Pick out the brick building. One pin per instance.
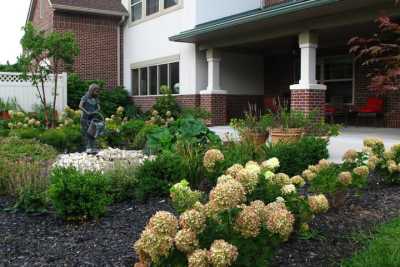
(222, 55)
(97, 26)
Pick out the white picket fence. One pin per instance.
(12, 86)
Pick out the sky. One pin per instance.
(13, 15)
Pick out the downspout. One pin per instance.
(119, 58)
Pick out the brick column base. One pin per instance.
(217, 106)
(308, 100)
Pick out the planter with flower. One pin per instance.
(241, 223)
(253, 128)
(288, 126)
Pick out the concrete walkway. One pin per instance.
(350, 138)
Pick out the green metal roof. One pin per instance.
(250, 16)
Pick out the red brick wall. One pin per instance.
(46, 22)
(308, 100)
(362, 93)
(97, 37)
(217, 106)
(145, 103)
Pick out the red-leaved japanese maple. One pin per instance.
(381, 53)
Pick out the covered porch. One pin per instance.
(297, 53)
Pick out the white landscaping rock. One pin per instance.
(105, 160)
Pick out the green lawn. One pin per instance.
(382, 249)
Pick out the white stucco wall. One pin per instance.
(149, 41)
(208, 10)
(242, 74)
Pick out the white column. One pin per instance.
(214, 74)
(308, 43)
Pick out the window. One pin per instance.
(337, 74)
(170, 3)
(153, 80)
(174, 77)
(152, 6)
(143, 81)
(148, 80)
(136, 9)
(41, 8)
(140, 9)
(135, 82)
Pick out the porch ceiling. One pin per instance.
(330, 40)
(260, 25)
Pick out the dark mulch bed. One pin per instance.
(333, 241)
(44, 240)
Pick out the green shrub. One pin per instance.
(197, 113)
(68, 138)
(130, 130)
(156, 177)
(26, 133)
(32, 200)
(79, 196)
(24, 163)
(123, 183)
(110, 100)
(140, 139)
(167, 102)
(296, 157)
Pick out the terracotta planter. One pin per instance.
(337, 199)
(4, 115)
(258, 139)
(286, 135)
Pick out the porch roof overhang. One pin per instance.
(283, 20)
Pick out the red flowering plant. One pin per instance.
(381, 52)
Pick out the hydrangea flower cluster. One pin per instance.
(298, 181)
(318, 203)
(227, 195)
(222, 254)
(350, 156)
(21, 120)
(271, 164)
(362, 171)
(193, 220)
(248, 222)
(105, 160)
(183, 197)
(157, 239)
(211, 157)
(279, 220)
(345, 178)
(199, 258)
(186, 241)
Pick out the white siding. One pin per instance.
(208, 10)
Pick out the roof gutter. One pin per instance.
(262, 14)
(90, 10)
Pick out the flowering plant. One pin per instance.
(249, 213)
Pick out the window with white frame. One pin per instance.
(41, 8)
(337, 73)
(136, 9)
(152, 6)
(148, 80)
(170, 3)
(140, 9)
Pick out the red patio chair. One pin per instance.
(330, 112)
(270, 104)
(374, 108)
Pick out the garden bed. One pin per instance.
(38, 240)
